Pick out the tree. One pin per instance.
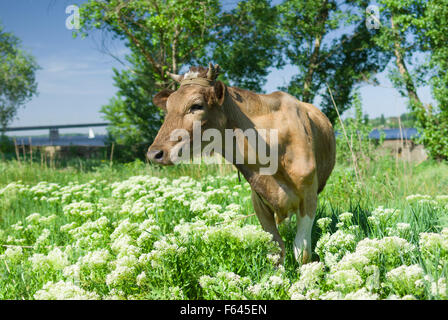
(330, 44)
(382, 120)
(434, 26)
(167, 36)
(134, 117)
(247, 42)
(166, 33)
(414, 27)
(163, 36)
(17, 77)
(397, 34)
(434, 35)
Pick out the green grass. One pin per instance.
(201, 267)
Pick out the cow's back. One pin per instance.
(302, 121)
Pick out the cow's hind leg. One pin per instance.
(305, 220)
(267, 220)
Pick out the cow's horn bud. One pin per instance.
(212, 72)
(176, 77)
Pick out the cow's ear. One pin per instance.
(219, 90)
(160, 99)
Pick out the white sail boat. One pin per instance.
(91, 134)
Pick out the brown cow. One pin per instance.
(306, 145)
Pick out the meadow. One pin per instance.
(94, 230)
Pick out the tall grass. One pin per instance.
(382, 183)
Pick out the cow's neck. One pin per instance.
(238, 107)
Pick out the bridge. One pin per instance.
(54, 129)
(57, 127)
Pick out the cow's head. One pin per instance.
(199, 99)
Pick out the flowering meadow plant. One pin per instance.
(148, 237)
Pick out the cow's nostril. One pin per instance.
(155, 155)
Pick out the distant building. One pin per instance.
(401, 143)
(395, 134)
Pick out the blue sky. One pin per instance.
(75, 78)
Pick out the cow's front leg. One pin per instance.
(305, 220)
(267, 220)
(302, 242)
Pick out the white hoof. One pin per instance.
(302, 242)
(302, 250)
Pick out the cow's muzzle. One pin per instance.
(158, 155)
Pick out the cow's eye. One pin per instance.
(195, 107)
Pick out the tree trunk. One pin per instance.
(314, 59)
(415, 102)
(174, 50)
(307, 95)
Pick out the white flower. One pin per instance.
(124, 228)
(356, 260)
(67, 227)
(274, 258)
(406, 297)
(346, 217)
(233, 207)
(434, 244)
(79, 209)
(255, 289)
(72, 272)
(403, 227)
(33, 218)
(276, 281)
(247, 235)
(128, 261)
(176, 293)
(332, 247)
(95, 259)
(205, 281)
(409, 297)
(229, 276)
(141, 278)
(297, 296)
(119, 275)
(13, 254)
(439, 288)
(442, 197)
(418, 197)
(43, 237)
(383, 217)
(198, 205)
(57, 259)
(406, 279)
(393, 248)
(346, 280)
(311, 275)
(332, 295)
(361, 294)
(64, 291)
(123, 245)
(39, 262)
(323, 223)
